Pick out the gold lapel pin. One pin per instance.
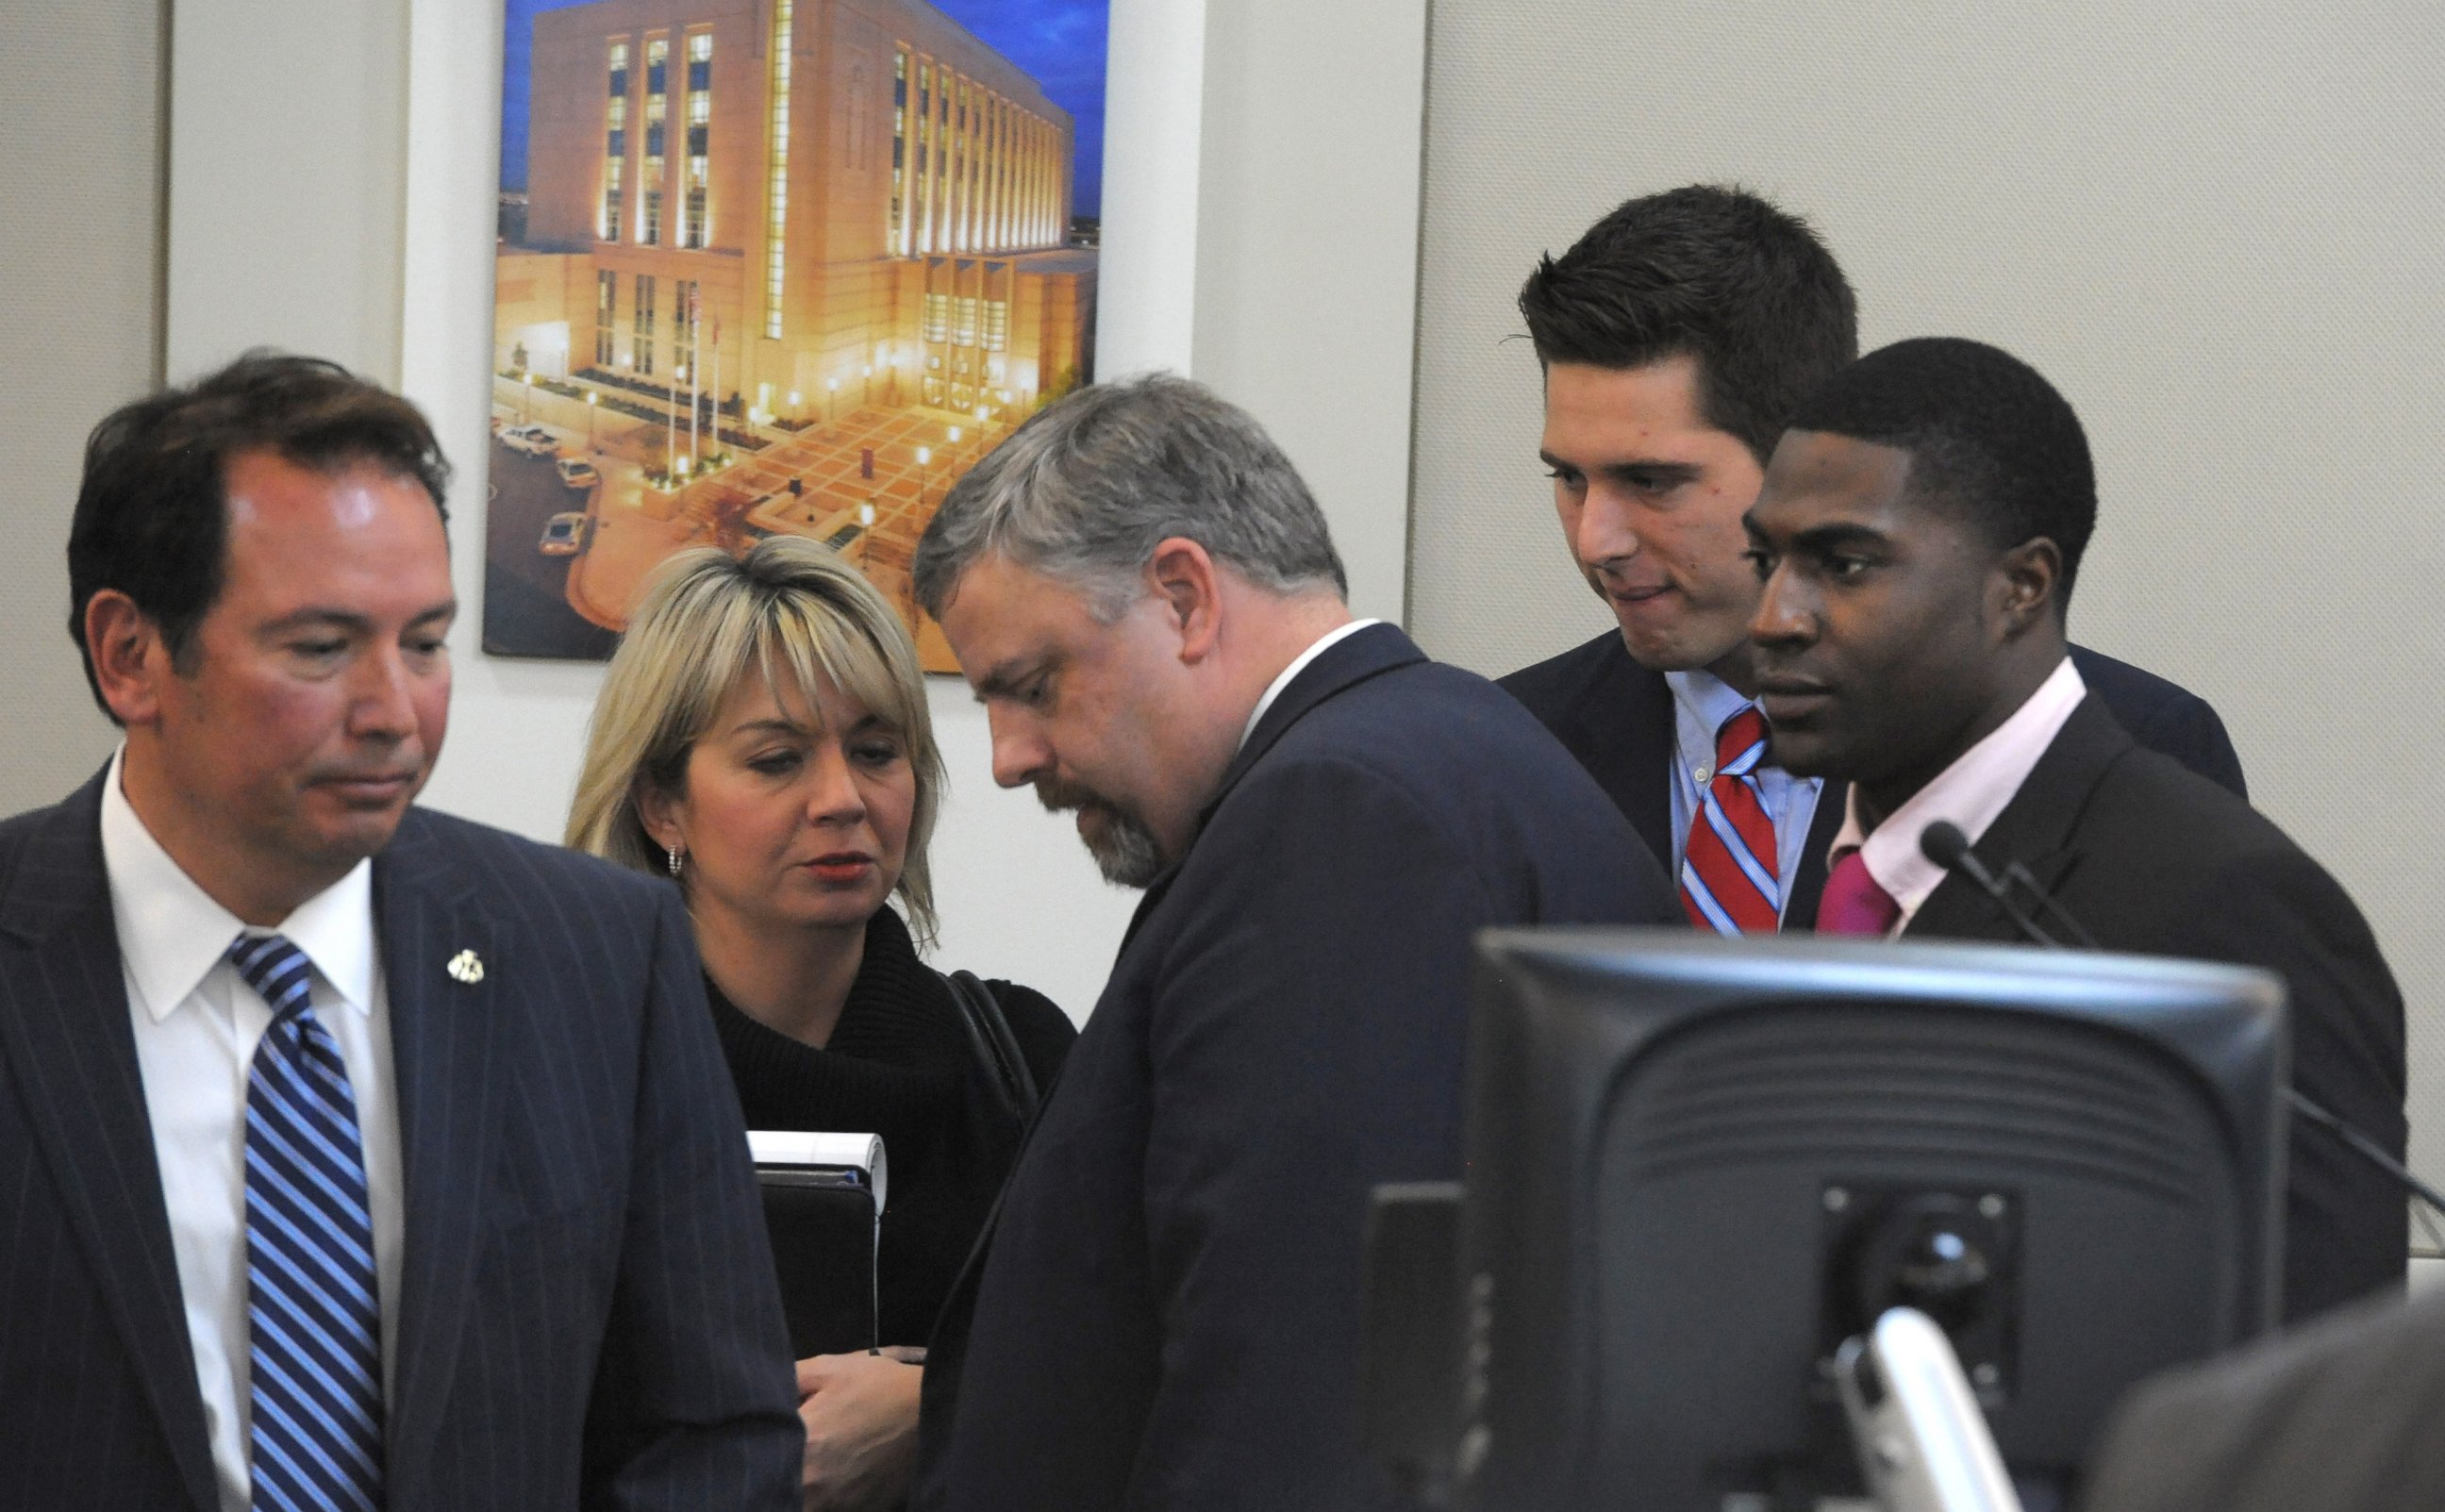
(467, 966)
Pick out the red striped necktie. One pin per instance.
(1730, 876)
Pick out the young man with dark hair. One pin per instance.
(355, 1156)
(1917, 536)
(1676, 337)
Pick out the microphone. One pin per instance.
(1944, 844)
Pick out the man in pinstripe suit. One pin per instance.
(350, 1155)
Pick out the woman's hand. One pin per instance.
(860, 1411)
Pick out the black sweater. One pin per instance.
(899, 1065)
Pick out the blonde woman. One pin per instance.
(762, 736)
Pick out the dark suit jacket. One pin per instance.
(1170, 1295)
(2155, 859)
(2345, 1416)
(1617, 717)
(586, 1311)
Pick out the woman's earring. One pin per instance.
(678, 857)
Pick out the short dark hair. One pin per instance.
(152, 515)
(1709, 271)
(1986, 435)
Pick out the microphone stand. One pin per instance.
(1944, 844)
(2016, 873)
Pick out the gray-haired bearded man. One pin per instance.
(1145, 596)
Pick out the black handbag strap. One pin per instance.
(996, 1047)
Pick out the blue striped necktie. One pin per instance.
(313, 1324)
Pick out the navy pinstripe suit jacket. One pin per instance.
(587, 1314)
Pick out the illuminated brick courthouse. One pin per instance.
(860, 202)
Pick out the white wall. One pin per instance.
(286, 119)
(2220, 232)
(1234, 251)
(80, 238)
(1306, 268)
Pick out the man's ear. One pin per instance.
(130, 657)
(1183, 577)
(2029, 584)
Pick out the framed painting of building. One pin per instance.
(773, 266)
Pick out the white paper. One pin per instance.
(790, 1147)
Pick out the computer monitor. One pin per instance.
(1696, 1166)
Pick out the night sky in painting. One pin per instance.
(1060, 45)
(1058, 42)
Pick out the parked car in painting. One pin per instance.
(532, 440)
(564, 534)
(577, 472)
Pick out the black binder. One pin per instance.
(822, 1216)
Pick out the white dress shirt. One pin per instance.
(1298, 665)
(197, 1025)
(1702, 702)
(1970, 793)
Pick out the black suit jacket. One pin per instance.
(1617, 717)
(1169, 1292)
(2155, 859)
(587, 1314)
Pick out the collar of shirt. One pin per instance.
(1970, 793)
(1298, 665)
(1701, 703)
(172, 934)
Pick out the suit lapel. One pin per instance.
(1644, 735)
(67, 1040)
(1148, 902)
(1808, 877)
(1622, 728)
(1367, 653)
(2039, 828)
(444, 1032)
(1355, 658)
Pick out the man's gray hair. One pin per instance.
(1085, 490)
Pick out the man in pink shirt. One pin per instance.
(1917, 535)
